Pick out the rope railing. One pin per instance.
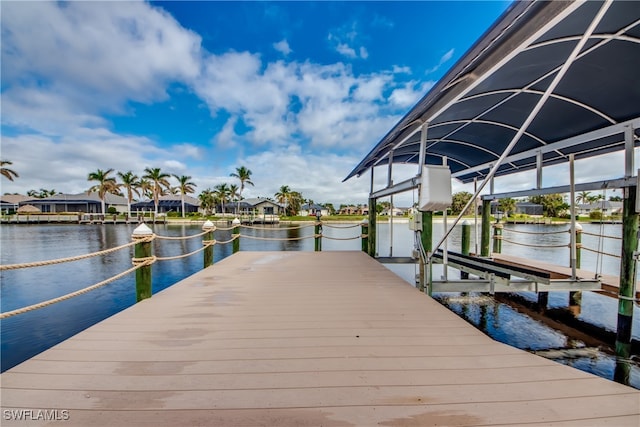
(601, 252)
(253, 227)
(602, 236)
(76, 293)
(282, 238)
(324, 224)
(146, 261)
(159, 237)
(63, 260)
(535, 246)
(511, 230)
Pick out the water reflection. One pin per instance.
(516, 321)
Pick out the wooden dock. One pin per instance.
(302, 339)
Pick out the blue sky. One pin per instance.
(298, 92)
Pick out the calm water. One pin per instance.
(28, 334)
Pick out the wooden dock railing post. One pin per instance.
(372, 227)
(486, 228)
(497, 237)
(465, 244)
(143, 251)
(575, 297)
(236, 232)
(208, 240)
(627, 292)
(365, 235)
(318, 234)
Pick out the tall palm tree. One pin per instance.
(234, 195)
(6, 172)
(282, 196)
(244, 175)
(130, 182)
(185, 186)
(222, 193)
(105, 184)
(160, 182)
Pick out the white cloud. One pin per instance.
(283, 47)
(401, 70)
(410, 93)
(364, 53)
(345, 50)
(443, 59)
(89, 57)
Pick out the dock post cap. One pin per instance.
(207, 224)
(364, 221)
(465, 222)
(578, 226)
(142, 230)
(235, 221)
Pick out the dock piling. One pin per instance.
(627, 275)
(143, 251)
(486, 228)
(497, 237)
(465, 244)
(208, 240)
(365, 235)
(236, 234)
(318, 235)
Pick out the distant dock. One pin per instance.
(303, 338)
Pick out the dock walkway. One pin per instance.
(302, 339)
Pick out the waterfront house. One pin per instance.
(9, 203)
(607, 208)
(313, 210)
(80, 203)
(168, 203)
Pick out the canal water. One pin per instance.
(514, 321)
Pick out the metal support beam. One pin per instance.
(587, 186)
(400, 187)
(629, 144)
(539, 169)
(572, 203)
(423, 147)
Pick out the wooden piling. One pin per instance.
(365, 236)
(372, 227)
(465, 244)
(627, 274)
(208, 240)
(486, 228)
(236, 232)
(143, 251)
(318, 236)
(497, 238)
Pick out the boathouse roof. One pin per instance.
(477, 108)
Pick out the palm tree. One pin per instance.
(145, 187)
(207, 200)
(295, 202)
(507, 205)
(222, 194)
(160, 182)
(185, 186)
(234, 195)
(282, 196)
(583, 197)
(9, 173)
(130, 182)
(244, 175)
(106, 184)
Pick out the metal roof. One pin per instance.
(576, 62)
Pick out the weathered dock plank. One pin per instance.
(302, 338)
